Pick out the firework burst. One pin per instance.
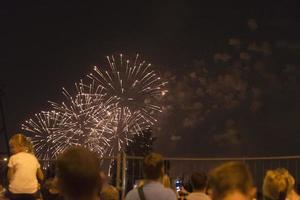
(136, 85)
(137, 88)
(84, 119)
(126, 124)
(47, 139)
(119, 101)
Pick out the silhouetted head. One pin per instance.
(229, 178)
(153, 166)
(199, 180)
(78, 173)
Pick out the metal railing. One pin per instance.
(126, 170)
(182, 168)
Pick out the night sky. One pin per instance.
(48, 45)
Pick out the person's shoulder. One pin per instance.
(170, 193)
(132, 194)
(201, 196)
(28, 156)
(12, 160)
(191, 196)
(16, 156)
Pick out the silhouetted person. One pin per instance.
(279, 184)
(152, 189)
(199, 183)
(23, 170)
(78, 174)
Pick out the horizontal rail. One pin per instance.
(202, 159)
(221, 158)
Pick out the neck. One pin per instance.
(83, 198)
(19, 150)
(236, 195)
(152, 180)
(198, 190)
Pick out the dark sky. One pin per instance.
(51, 44)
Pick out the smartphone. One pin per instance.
(178, 185)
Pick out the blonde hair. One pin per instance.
(277, 184)
(21, 142)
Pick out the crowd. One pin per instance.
(78, 176)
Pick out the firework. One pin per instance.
(47, 140)
(137, 89)
(82, 120)
(136, 85)
(126, 124)
(118, 102)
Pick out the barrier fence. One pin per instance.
(125, 171)
(182, 168)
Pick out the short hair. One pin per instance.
(277, 184)
(199, 180)
(152, 166)
(228, 177)
(78, 173)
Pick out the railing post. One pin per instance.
(3, 129)
(118, 178)
(124, 171)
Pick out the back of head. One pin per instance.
(199, 180)
(277, 184)
(78, 173)
(230, 177)
(18, 142)
(153, 166)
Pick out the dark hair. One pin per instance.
(199, 180)
(153, 164)
(229, 177)
(78, 173)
